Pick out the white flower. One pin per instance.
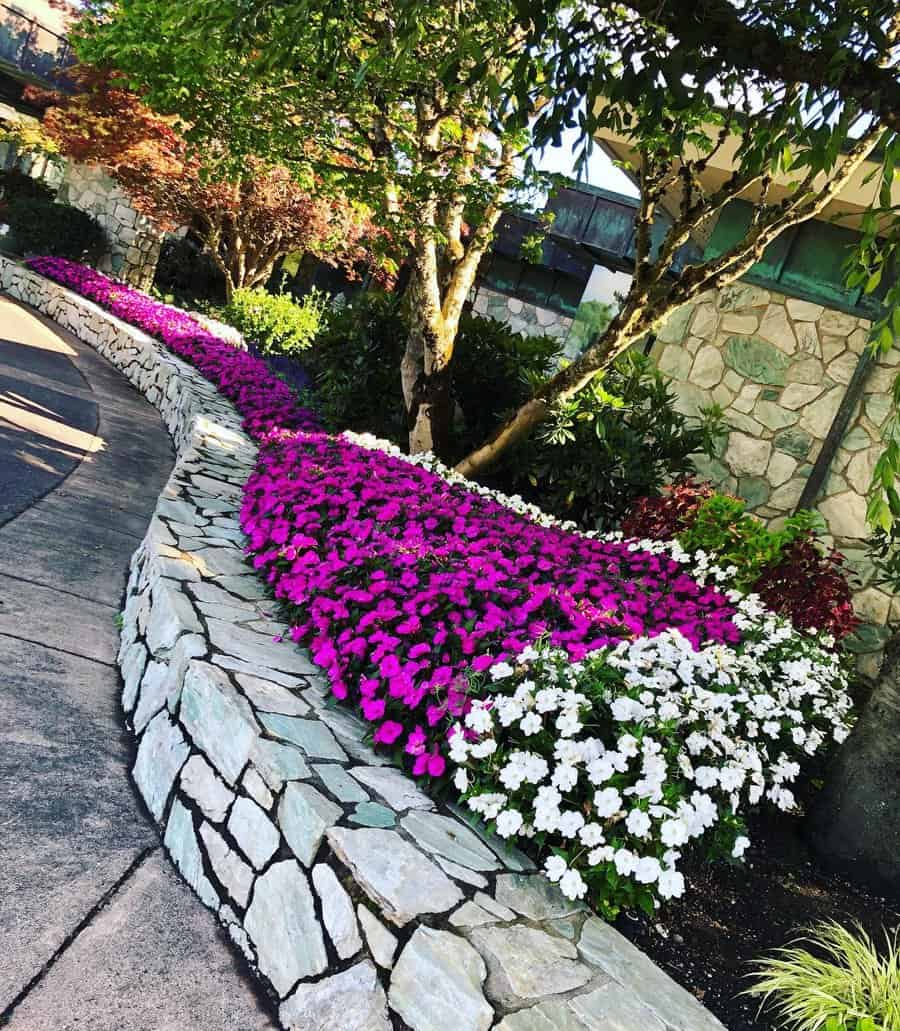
(591, 834)
(570, 823)
(565, 777)
(627, 746)
(638, 823)
(500, 671)
(607, 802)
(741, 844)
(461, 780)
(625, 861)
(627, 710)
(647, 870)
(547, 700)
(483, 749)
(568, 723)
(531, 724)
(555, 867)
(706, 776)
(509, 823)
(600, 770)
(674, 832)
(572, 885)
(671, 884)
(603, 854)
(479, 719)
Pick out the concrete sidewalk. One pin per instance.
(96, 931)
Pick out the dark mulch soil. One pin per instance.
(731, 915)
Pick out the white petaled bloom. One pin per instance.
(509, 823)
(627, 746)
(508, 710)
(741, 844)
(570, 823)
(555, 867)
(572, 885)
(607, 802)
(479, 719)
(565, 777)
(591, 835)
(547, 700)
(671, 884)
(500, 671)
(647, 870)
(568, 723)
(626, 862)
(706, 776)
(638, 823)
(599, 770)
(602, 854)
(531, 724)
(484, 748)
(461, 780)
(489, 805)
(674, 832)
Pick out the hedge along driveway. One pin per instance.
(350, 891)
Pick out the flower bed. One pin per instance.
(590, 694)
(264, 400)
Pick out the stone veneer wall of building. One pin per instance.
(361, 903)
(135, 241)
(521, 316)
(779, 367)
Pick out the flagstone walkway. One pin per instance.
(96, 930)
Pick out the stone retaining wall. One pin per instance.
(135, 241)
(779, 367)
(361, 903)
(521, 316)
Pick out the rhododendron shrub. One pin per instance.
(617, 764)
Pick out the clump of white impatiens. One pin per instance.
(620, 762)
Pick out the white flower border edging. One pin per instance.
(362, 904)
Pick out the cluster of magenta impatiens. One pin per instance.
(265, 401)
(404, 584)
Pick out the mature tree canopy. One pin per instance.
(432, 111)
(372, 103)
(247, 213)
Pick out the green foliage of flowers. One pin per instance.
(39, 226)
(354, 366)
(724, 529)
(356, 355)
(277, 323)
(840, 982)
(618, 439)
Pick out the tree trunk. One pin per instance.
(855, 822)
(425, 368)
(425, 375)
(624, 330)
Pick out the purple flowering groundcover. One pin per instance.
(399, 581)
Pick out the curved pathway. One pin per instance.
(96, 931)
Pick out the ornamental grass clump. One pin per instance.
(833, 979)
